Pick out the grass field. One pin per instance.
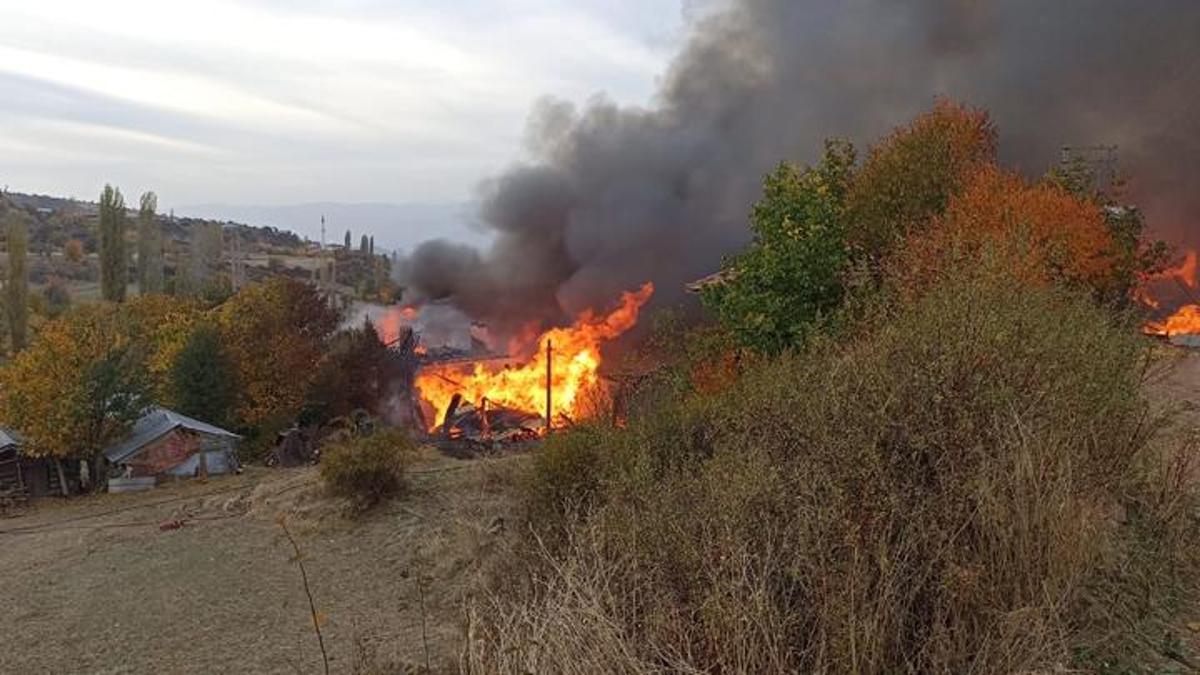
(95, 585)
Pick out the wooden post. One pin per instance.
(549, 383)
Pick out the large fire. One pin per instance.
(574, 367)
(1185, 320)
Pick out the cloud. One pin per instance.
(273, 102)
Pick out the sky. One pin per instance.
(296, 101)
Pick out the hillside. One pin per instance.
(63, 250)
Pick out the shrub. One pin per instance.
(367, 469)
(968, 482)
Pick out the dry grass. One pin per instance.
(969, 484)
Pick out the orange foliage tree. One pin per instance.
(911, 176)
(90, 372)
(1039, 232)
(275, 333)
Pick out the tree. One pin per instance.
(1040, 233)
(73, 250)
(364, 245)
(204, 257)
(79, 386)
(355, 374)
(275, 333)
(371, 247)
(347, 241)
(56, 296)
(909, 178)
(791, 275)
(16, 291)
(149, 254)
(203, 381)
(114, 265)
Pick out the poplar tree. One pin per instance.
(16, 292)
(347, 241)
(363, 245)
(113, 261)
(150, 253)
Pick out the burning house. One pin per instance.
(1176, 287)
(537, 381)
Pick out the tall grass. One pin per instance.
(965, 482)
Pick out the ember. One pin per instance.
(520, 389)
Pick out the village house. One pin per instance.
(164, 444)
(22, 477)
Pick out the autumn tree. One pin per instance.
(791, 276)
(202, 379)
(16, 290)
(275, 333)
(79, 386)
(1133, 256)
(1041, 233)
(73, 250)
(149, 254)
(113, 260)
(910, 176)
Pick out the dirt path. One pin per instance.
(95, 586)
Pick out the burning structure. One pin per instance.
(538, 379)
(1165, 289)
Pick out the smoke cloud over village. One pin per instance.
(611, 196)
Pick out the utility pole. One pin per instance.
(549, 381)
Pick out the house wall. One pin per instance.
(160, 456)
(178, 454)
(10, 470)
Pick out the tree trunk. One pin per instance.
(99, 472)
(62, 477)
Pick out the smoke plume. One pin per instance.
(614, 196)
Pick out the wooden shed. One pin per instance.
(23, 477)
(164, 443)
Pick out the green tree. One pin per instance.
(364, 245)
(149, 254)
(354, 374)
(16, 292)
(347, 241)
(792, 274)
(371, 246)
(203, 380)
(113, 261)
(116, 391)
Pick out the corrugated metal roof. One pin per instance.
(155, 424)
(9, 437)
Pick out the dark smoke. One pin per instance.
(616, 196)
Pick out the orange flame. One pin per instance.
(1184, 322)
(1185, 272)
(575, 364)
(397, 318)
(1187, 319)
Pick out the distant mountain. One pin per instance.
(394, 226)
